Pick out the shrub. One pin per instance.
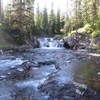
(88, 28)
(98, 24)
(96, 33)
(17, 36)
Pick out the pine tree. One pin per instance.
(38, 20)
(21, 23)
(45, 21)
(58, 22)
(52, 21)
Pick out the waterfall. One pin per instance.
(50, 43)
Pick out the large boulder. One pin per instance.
(76, 41)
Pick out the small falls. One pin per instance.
(50, 43)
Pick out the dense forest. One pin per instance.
(22, 23)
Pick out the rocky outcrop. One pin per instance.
(76, 41)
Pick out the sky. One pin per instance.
(58, 4)
(5, 2)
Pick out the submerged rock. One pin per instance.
(92, 95)
(46, 63)
(60, 92)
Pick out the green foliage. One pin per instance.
(6, 47)
(45, 21)
(96, 33)
(68, 34)
(97, 24)
(18, 36)
(88, 28)
(19, 21)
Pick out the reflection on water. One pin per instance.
(86, 72)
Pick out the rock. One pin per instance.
(36, 43)
(70, 43)
(21, 71)
(95, 42)
(46, 63)
(89, 93)
(59, 92)
(76, 41)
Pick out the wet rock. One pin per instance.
(46, 63)
(95, 41)
(76, 41)
(18, 75)
(36, 43)
(60, 92)
(20, 72)
(89, 93)
(70, 43)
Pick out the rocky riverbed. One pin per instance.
(49, 74)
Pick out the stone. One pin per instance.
(95, 42)
(76, 41)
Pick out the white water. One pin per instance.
(9, 63)
(50, 43)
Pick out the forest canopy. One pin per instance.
(24, 19)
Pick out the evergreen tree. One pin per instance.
(21, 21)
(38, 20)
(45, 21)
(52, 21)
(58, 22)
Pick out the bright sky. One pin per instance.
(58, 4)
(5, 2)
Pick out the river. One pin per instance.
(49, 73)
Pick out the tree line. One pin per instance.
(23, 24)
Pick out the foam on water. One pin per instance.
(6, 63)
(50, 43)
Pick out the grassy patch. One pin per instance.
(6, 47)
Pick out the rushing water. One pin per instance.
(50, 43)
(64, 66)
